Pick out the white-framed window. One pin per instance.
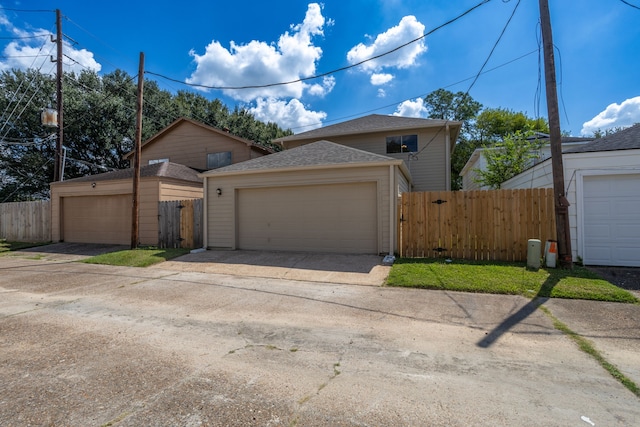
(218, 160)
(402, 144)
(154, 161)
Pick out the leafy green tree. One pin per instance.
(446, 105)
(99, 125)
(505, 159)
(493, 124)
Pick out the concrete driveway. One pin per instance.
(311, 267)
(97, 345)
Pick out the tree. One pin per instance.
(99, 125)
(446, 105)
(493, 124)
(505, 159)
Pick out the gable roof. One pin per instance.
(182, 120)
(370, 124)
(164, 170)
(626, 139)
(316, 154)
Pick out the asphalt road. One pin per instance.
(89, 345)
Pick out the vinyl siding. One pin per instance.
(189, 145)
(221, 212)
(428, 172)
(576, 165)
(150, 194)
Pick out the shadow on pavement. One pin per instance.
(543, 296)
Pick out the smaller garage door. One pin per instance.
(338, 218)
(97, 219)
(612, 220)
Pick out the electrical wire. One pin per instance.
(478, 74)
(630, 4)
(337, 70)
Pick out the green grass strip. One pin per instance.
(588, 348)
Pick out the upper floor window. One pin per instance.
(154, 161)
(218, 160)
(402, 144)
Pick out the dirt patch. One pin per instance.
(624, 277)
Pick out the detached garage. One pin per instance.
(98, 208)
(611, 220)
(319, 197)
(602, 179)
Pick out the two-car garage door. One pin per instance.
(337, 218)
(612, 220)
(97, 219)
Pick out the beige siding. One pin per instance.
(180, 191)
(148, 214)
(150, 195)
(428, 171)
(222, 211)
(403, 184)
(189, 144)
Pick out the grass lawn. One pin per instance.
(141, 257)
(16, 246)
(505, 278)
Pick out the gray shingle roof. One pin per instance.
(368, 124)
(626, 139)
(165, 170)
(320, 153)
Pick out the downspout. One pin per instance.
(394, 209)
(447, 139)
(205, 231)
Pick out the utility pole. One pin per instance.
(135, 235)
(560, 201)
(57, 170)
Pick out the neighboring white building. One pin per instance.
(477, 160)
(603, 188)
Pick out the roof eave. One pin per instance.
(214, 173)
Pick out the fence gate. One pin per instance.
(180, 224)
(477, 225)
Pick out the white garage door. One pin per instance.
(97, 219)
(612, 220)
(338, 218)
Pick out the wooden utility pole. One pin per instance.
(560, 201)
(135, 217)
(57, 169)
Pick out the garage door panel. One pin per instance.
(611, 220)
(97, 219)
(318, 218)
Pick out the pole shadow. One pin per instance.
(541, 297)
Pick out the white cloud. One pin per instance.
(36, 53)
(615, 115)
(257, 63)
(411, 108)
(287, 114)
(382, 93)
(378, 79)
(328, 83)
(407, 30)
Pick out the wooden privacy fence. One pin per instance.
(492, 225)
(26, 221)
(180, 224)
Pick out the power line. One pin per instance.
(630, 4)
(26, 10)
(495, 45)
(337, 70)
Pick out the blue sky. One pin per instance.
(252, 43)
